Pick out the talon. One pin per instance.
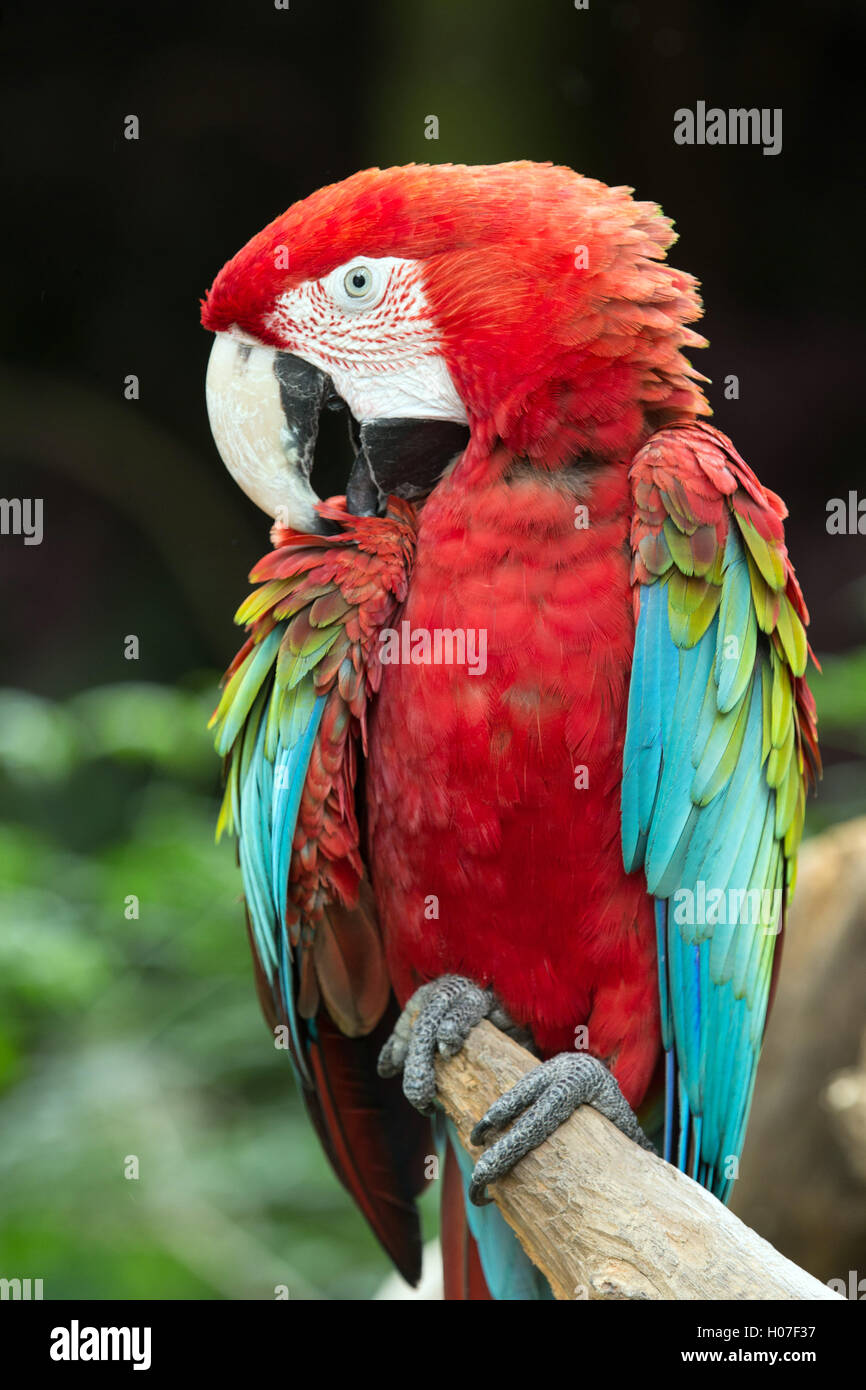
(538, 1104)
(393, 1054)
(438, 1018)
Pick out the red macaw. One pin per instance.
(521, 729)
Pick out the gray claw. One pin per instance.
(543, 1099)
(438, 1018)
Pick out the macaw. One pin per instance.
(589, 836)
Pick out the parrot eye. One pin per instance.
(358, 285)
(358, 281)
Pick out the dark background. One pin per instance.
(108, 780)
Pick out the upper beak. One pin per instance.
(264, 409)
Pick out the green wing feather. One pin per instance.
(720, 746)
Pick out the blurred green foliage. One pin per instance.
(140, 1036)
(840, 694)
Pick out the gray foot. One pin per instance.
(438, 1018)
(543, 1099)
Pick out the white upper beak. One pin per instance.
(268, 458)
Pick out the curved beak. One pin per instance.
(264, 408)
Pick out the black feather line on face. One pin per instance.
(304, 390)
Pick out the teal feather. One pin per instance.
(673, 815)
(267, 779)
(642, 753)
(291, 772)
(661, 915)
(679, 733)
(737, 626)
(238, 701)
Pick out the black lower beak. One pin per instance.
(403, 457)
(265, 407)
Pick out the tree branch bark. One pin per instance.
(604, 1219)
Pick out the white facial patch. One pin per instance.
(368, 325)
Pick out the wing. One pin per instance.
(720, 746)
(289, 722)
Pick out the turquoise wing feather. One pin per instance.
(289, 725)
(720, 745)
(268, 756)
(292, 708)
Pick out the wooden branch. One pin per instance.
(604, 1219)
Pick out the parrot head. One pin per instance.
(521, 307)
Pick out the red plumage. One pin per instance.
(471, 779)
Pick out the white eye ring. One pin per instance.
(358, 285)
(358, 282)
